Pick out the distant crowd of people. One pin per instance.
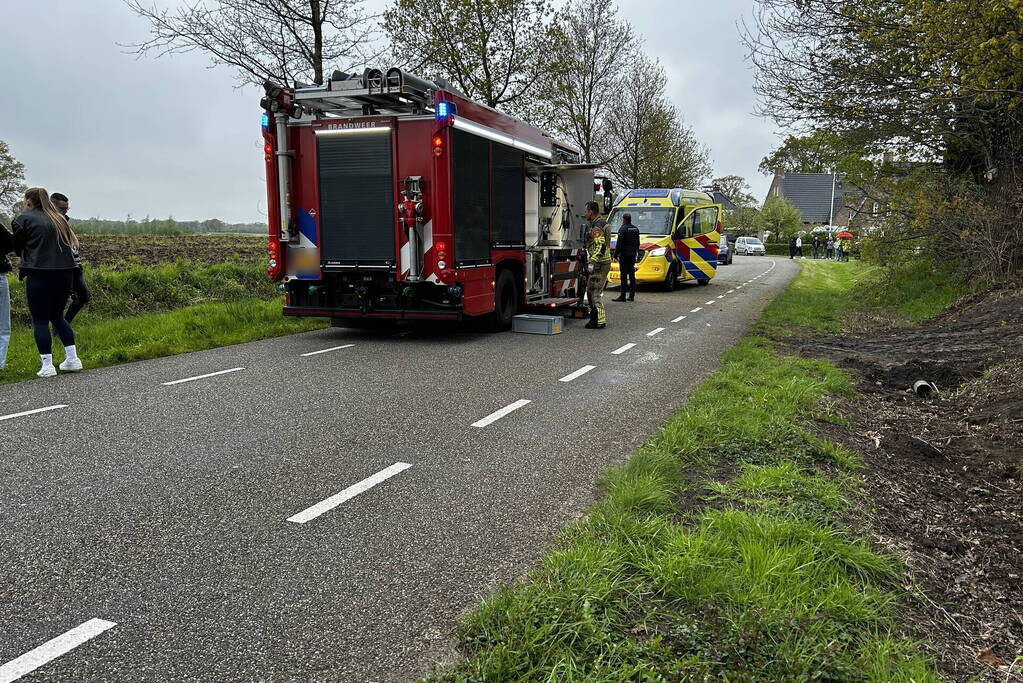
(822, 247)
(42, 238)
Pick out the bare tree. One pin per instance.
(595, 47)
(283, 40)
(647, 142)
(495, 51)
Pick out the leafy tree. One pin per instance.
(779, 218)
(282, 40)
(742, 221)
(647, 143)
(495, 51)
(924, 77)
(594, 45)
(815, 153)
(735, 188)
(12, 177)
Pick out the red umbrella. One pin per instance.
(844, 235)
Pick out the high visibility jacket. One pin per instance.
(598, 243)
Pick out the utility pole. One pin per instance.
(831, 211)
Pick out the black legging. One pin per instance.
(47, 292)
(79, 295)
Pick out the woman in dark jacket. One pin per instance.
(47, 246)
(6, 245)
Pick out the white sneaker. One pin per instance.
(71, 365)
(47, 371)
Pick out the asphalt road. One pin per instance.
(155, 531)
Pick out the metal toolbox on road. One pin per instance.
(538, 324)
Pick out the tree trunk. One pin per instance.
(314, 8)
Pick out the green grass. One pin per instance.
(134, 290)
(748, 574)
(916, 288)
(817, 299)
(192, 328)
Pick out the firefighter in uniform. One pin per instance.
(598, 254)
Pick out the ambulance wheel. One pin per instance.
(506, 301)
(703, 282)
(670, 280)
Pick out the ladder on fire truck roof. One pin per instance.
(372, 92)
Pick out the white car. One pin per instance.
(749, 246)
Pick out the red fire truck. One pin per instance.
(394, 197)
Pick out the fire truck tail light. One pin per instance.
(268, 149)
(442, 246)
(438, 145)
(442, 255)
(442, 265)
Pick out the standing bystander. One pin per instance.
(79, 291)
(47, 246)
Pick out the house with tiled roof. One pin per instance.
(826, 199)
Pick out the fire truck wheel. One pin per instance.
(505, 301)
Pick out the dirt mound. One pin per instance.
(945, 474)
(980, 331)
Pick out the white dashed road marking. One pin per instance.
(192, 379)
(51, 649)
(497, 415)
(366, 484)
(722, 296)
(708, 303)
(578, 373)
(696, 310)
(622, 349)
(655, 331)
(31, 412)
(333, 348)
(731, 290)
(678, 319)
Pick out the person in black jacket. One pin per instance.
(627, 250)
(47, 246)
(6, 246)
(80, 294)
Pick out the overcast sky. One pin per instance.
(170, 137)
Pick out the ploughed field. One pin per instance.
(131, 275)
(119, 251)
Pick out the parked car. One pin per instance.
(750, 246)
(724, 252)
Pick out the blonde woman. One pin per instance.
(47, 246)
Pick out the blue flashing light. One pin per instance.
(445, 109)
(266, 121)
(648, 193)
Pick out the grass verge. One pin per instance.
(103, 342)
(719, 549)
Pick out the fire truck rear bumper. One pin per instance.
(373, 315)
